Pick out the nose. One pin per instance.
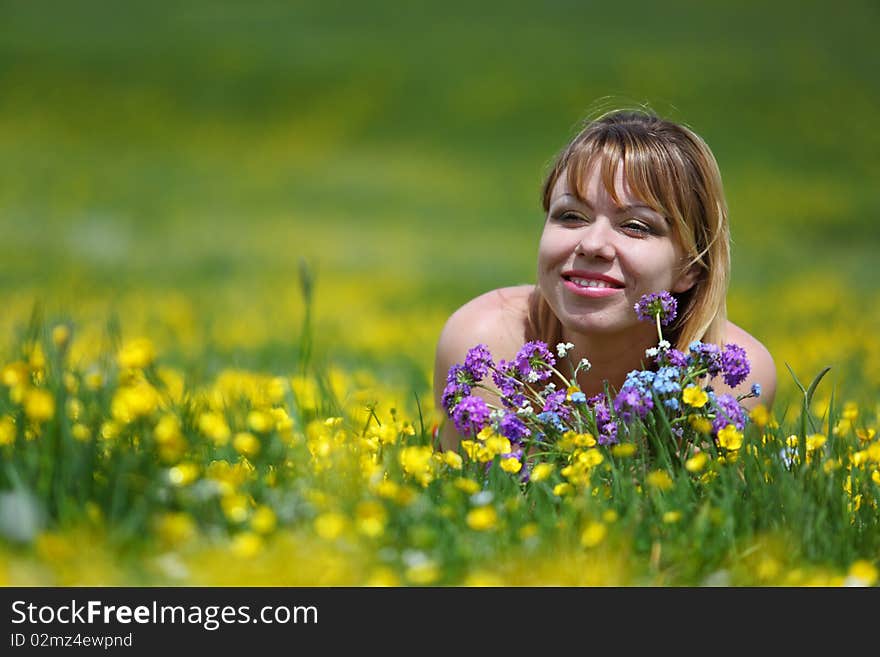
(596, 241)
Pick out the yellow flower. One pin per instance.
(671, 517)
(730, 438)
(134, 401)
(700, 424)
(246, 443)
(850, 411)
(7, 430)
(80, 432)
(590, 458)
(264, 520)
(760, 415)
(175, 527)
(694, 396)
(563, 489)
(498, 445)
(235, 506)
(330, 525)
(470, 448)
(697, 462)
(371, 518)
(511, 465)
(136, 353)
(15, 374)
(482, 518)
(60, 335)
(541, 471)
(183, 474)
(468, 486)
(39, 405)
(260, 421)
(169, 437)
(815, 441)
(584, 440)
(624, 450)
(246, 545)
(417, 462)
(213, 425)
(110, 430)
(609, 516)
(863, 572)
(659, 479)
(453, 460)
(593, 534)
(73, 408)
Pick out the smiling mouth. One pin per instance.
(592, 283)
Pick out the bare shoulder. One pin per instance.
(762, 367)
(496, 319)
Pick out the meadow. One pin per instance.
(232, 234)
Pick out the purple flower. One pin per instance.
(452, 394)
(533, 361)
(608, 434)
(459, 376)
(512, 428)
(671, 357)
(632, 402)
(658, 303)
(705, 355)
(555, 403)
(728, 411)
(503, 378)
(734, 365)
(478, 362)
(605, 425)
(471, 415)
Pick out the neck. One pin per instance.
(611, 356)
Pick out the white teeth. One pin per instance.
(583, 282)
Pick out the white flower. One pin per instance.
(525, 410)
(532, 377)
(482, 498)
(650, 353)
(563, 348)
(664, 345)
(584, 365)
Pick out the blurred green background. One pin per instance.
(171, 163)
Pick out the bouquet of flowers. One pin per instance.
(667, 406)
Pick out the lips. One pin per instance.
(591, 280)
(591, 285)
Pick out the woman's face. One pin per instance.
(596, 259)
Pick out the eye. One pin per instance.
(638, 227)
(570, 218)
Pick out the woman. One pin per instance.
(634, 205)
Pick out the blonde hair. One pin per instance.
(672, 170)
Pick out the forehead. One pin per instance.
(591, 187)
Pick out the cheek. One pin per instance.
(551, 249)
